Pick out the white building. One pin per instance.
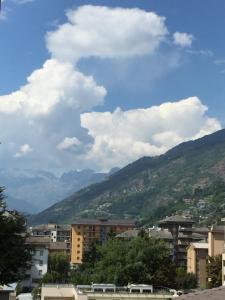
(39, 264)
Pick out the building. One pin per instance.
(57, 233)
(223, 269)
(173, 224)
(85, 231)
(42, 246)
(197, 254)
(101, 292)
(8, 292)
(39, 264)
(216, 240)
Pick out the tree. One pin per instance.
(15, 255)
(214, 271)
(139, 260)
(58, 269)
(185, 280)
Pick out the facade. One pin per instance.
(173, 225)
(42, 246)
(39, 264)
(216, 240)
(197, 254)
(100, 292)
(57, 233)
(85, 231)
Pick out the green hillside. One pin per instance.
(190, 178)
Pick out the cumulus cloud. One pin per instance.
(54, 83)
(52, 110)
(24, 150)
(123, 136)
(106, 32)
(183, 39)
(68, 142)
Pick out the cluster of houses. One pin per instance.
(190, 246)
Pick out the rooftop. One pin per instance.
(176, 219)
(128, 234)
(200, 245)
(209, 294)
(38, 240)
(110, 222)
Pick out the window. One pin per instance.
(40, 262)
(78, 258)
(78, 239)
(78, 245)
(78, 251)
(41, 252)
(40, 272)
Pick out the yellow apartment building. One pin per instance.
(85, 231)
(216, 240)
(196, 262)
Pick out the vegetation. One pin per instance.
(139, 260)
(15, 255)
(184, 280)
(189, 178)
(214, 271)
(58, 269)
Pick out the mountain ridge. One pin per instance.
(150, 187)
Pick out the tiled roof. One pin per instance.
(111, 222)
(128, 234)
(201, 245)
(219, 228)
(57, 246)
(176, 219)
(209, 294)
(38, 240)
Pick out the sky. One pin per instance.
(99, 84)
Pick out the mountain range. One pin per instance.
(31, 191)
(188, 179)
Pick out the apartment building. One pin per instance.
(85, 231)
(39, 264)
(41, 246)
(216, 240)
(197, 254)
(57, 233)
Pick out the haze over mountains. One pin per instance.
(189, 178)
(31, 191)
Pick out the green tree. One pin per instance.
(15, 255)
(58, 269)
(139, 260)
(214, 271)
(185, 280)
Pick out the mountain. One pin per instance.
(189, 178)
(33, 190)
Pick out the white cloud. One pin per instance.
(183, 39)
(55, 84)
(123, 136)
(106, 32)
(67, 143)
(24, 150)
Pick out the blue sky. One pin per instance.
(112, 120)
